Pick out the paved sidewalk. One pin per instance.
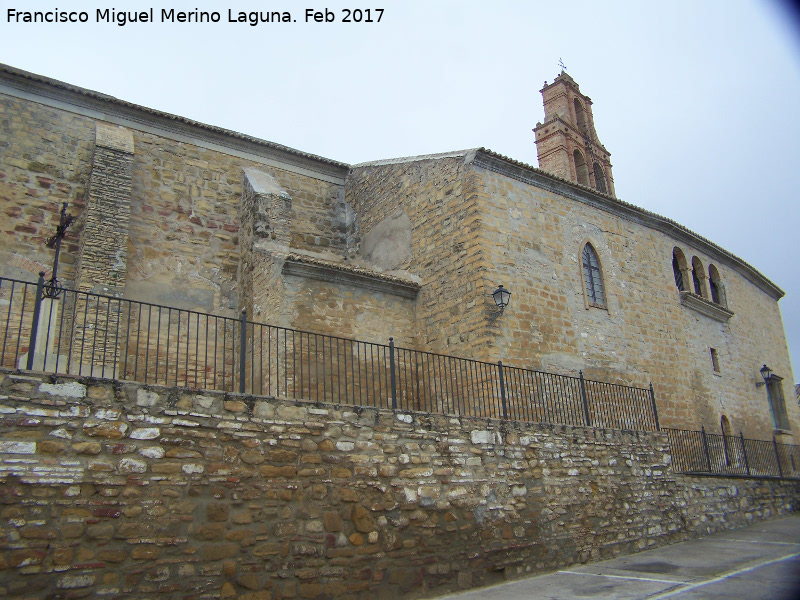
(761, 562)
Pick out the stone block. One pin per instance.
(217, 511)
(292, 413)
(362, 519)
(70, 582)
(90, 448)
(100, 531)
(145, 433)
(132, 465)
(145, 552)
(17, 447)
(220, 551)
(146, 398)
(250, 581)
(210, 532)
(51, 447)
(73, 389)
(107, 429)
(236, 406)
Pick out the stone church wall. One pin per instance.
(183, 232)
(45, 159)
(185, 222)
(472, 228)
(534, 239)
(448, 226)
(431, 201)
(349, 311)
(114, 488)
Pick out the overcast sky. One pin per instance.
(696, 101)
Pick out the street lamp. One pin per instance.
(766, 373)
(501, 297)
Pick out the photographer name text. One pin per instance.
(171, 15)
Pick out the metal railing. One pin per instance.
(698, 452)
(81, 333)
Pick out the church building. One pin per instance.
(184, 214)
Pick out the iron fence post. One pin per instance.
(777, 457)
(242, 349)
(705, 447)
(392, 377)
(655, 410)
(37, 309)
(744, 453)
(502, 389)
(585, 403)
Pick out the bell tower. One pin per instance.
(567, 143)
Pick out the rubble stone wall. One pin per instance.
(40, 167)
(119, 489)
(182, 235)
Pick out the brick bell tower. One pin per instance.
(567, 143)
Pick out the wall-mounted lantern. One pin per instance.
(501, 297)
(766, 373)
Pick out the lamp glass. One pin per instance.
(501, 297)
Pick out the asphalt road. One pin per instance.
(761, 562)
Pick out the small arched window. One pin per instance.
(581, 169)
(697, 273)
(725, 425)
(580, 115)
(592, 277)
(714, 285)
(678, 267)
(599, 178)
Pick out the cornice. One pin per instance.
(58, 94)
(704, 307)
(503, 165)
(577, 134)
(563, 78)
(302, 266)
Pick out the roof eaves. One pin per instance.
(56, 84)
(419, 158)
(665, 225)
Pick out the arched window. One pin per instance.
(725, 425)
(697, 273)
(581, 169)
(592, 277)
(580, 115)
(678, 266)
(599, 178)
(714, 285)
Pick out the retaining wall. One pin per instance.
(119, 489)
